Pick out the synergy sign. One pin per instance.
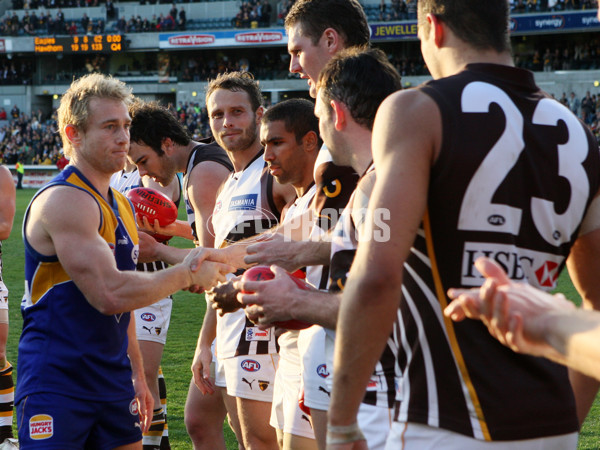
(223, 38)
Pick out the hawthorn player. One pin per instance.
(78, 353)
(152, 322)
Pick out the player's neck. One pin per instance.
(361, 155)
(98, 179)
(460, 57)
(241, 158)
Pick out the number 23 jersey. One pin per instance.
(513, 180)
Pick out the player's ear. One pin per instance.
(439, 32)
(167, 145)
(339, 114)
(259, 113)
(333, 41)
(310, 141)
(73, 134)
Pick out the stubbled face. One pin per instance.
(232, 121)
(327, 131)
(306, 58)
(160, 168)
(285, 157)
(105, 141)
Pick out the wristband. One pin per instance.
(344, 434)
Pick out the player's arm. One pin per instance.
(89, 262)
(142, 393)
(7, 202)
(205, 181)
(405, 141)
(584, 265)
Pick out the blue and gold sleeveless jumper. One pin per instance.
(67, 346)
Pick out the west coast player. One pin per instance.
(78, 352)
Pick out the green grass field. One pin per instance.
(188, 311)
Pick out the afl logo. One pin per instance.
(133, 407)
(322, 371)
(496, 220)
(148, 317)
(249, 365)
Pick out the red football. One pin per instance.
(263, 273)
(153, 205)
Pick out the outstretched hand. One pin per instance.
(516, 314)
(205, 273)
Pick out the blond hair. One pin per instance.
(74, 104)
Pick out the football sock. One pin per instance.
(151, 439)
(7, 397)
(162, 392)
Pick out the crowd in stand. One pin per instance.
(253, 14)
(29, 139)
(174, 20)
(530, 6)
(564, 56)
(49, 24)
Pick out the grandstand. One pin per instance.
(170, 62)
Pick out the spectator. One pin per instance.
(182, 19)
(85, 21)
(574, 104)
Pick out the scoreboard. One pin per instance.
(97, 43)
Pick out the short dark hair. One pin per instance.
(361, 80)
(151, 123)
(235, 82)
(298, 116)
(482, 24)
(347, 17)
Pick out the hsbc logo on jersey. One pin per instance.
(537, 268)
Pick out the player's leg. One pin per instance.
(294, 429)
(204, 416)
(152, 325)
(254, 421)
(311, 346)
(250, 379)
(152, 355)
(7, 387)
(162, 393)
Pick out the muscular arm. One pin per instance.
(584, 266)
(89, 262)
(7, 202)
(404, 145)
